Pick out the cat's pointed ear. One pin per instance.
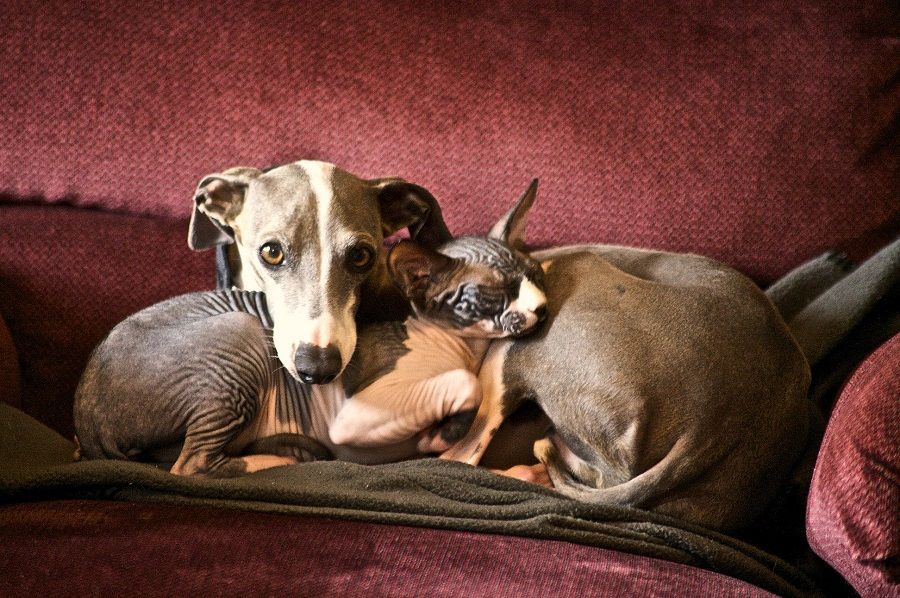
(511, 228)
(414, 267)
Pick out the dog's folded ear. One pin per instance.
(413, 267)
(511, 228)
(406, 205)
(217, 201)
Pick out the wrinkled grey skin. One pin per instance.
(671, 381)
(183, 379)
(194, 379)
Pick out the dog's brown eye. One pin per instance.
(360, 257)
(272, 254)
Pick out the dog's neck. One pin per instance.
(380, 299)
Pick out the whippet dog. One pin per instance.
(309, 235)
(671, 380)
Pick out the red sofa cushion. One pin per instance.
(160, 550)
(758, 133)
(853, 513)
(9, 368)
(67, 276)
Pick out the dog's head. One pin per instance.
(309, 235)
(483, 287)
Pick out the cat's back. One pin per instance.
(159, 363)
(200, 305)
(193, 334)
(402, 353)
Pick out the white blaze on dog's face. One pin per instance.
(310, 256)
(308, 235)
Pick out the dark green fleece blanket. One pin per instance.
(35, 464)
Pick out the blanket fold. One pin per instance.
(36, 464)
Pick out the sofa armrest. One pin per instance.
(853, 513)
(10, 386)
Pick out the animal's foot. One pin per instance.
(430, 441)
(442, 435)
(471, 448)
(229, 467)
(259, 462)
(544, 449)
(536, 474)
(840, 260)
(463, 452)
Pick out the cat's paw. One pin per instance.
(446, 432)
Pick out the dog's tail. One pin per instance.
(823, 300)
(674, 487)
(563, 464)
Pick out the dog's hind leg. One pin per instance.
(578, 478)
(799, 287)
(827, 319)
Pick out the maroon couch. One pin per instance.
(758, 134)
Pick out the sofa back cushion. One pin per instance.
(758, 133)
(67, 276)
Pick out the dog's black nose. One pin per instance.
(317, 365)
(541, 313)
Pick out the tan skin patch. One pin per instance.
(260, 462)
(536, 474)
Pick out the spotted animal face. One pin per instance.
(481, 286)
(477, 286)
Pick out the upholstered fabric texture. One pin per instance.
(9, 368)
(131, 551)
(67, 276)
(758, 133)
(853, 517)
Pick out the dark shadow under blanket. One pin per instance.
(35, 464)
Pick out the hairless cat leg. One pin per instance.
(389, 411)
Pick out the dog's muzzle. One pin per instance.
(518, 324)
(317, 365)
